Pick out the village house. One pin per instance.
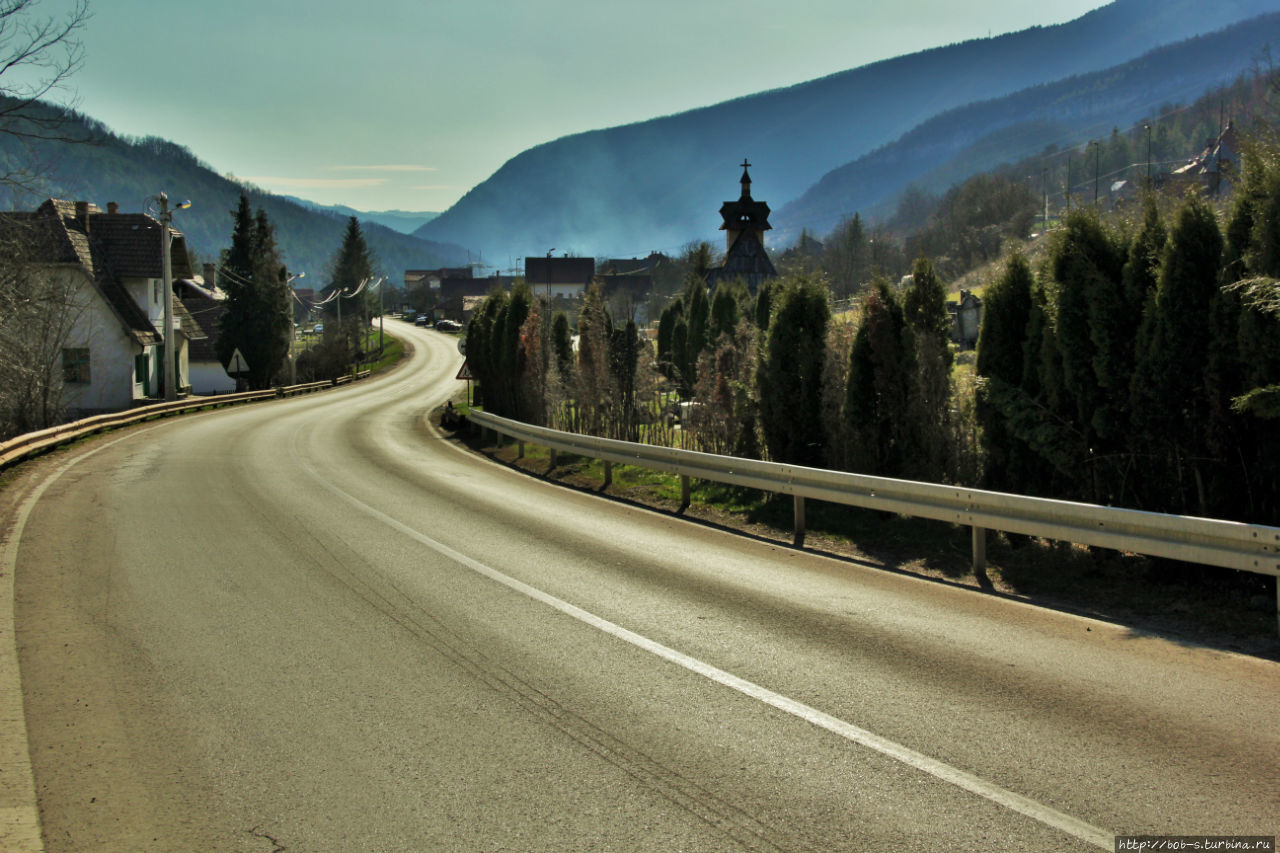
(202, 299)
(567, 277)
(112, 263)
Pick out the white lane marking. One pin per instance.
(1037, 811)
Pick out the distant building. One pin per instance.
(567, 277)
(459, 295)
(966, 319)
(431, 279)
(745, 222)
(202, 299)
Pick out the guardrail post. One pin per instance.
(979, 551)
(684, 492)
(799, 521)
(519, 449)
(551, 463)
(608, 473)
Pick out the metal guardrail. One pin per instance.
(1235, 545)
(33, 443)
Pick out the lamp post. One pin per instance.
(1148, 128)
(548, 273)
(293, 362)
(166, 274)
(1097, 157)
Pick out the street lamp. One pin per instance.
(1148, 128)
(166, 274)
(1097, 157)
(548, 274)
(293, 362)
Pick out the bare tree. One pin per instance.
(38, 56)
(39, 308)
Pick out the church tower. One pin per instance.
(745, 222)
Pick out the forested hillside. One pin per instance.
(975, 138)
(108, 167)
(657, 184)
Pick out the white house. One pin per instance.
(206, 304)
(112, 264)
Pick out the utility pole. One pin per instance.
(1044, 188)
(293, 362)
(1097, 158)
(166, 275)
(381, 311)
(1148, 127)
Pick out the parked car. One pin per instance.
(420, 320)
(319, 329)
(448, 326)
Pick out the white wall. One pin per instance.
(209, 377)
(111, 353)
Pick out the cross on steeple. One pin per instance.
(746, 179)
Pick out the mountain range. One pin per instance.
(981, 136)
(404, 221)
(131, 171)
(657, 184)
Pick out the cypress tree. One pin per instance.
(1171, 406)
(924, 309)
(789, 374)
(1006, 316)
(881, 387)
(562, 343)
(724, 311)
(1087, 267)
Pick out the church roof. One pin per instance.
(746, 213)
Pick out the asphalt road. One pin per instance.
(315, 625)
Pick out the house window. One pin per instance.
(75, 365)
(141, 367)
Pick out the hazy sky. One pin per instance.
(407, 104)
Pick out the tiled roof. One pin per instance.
(106, 246)
(132, 242)
(559, 271)
(207, 312)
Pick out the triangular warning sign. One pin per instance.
(237, 364)
(464, 372)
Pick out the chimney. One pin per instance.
(113, 208)
(82, 215)
(211, 276)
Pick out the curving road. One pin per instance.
(314, 625)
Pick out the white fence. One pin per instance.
(1247, 547)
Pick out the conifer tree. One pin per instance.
(351, 267)
(724, 310)
(881, 387)
(924, 308)
(1170, 400)
(595, 390)
(1006, 316)
(259, 317)
(1087, 264)
(789, 374)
